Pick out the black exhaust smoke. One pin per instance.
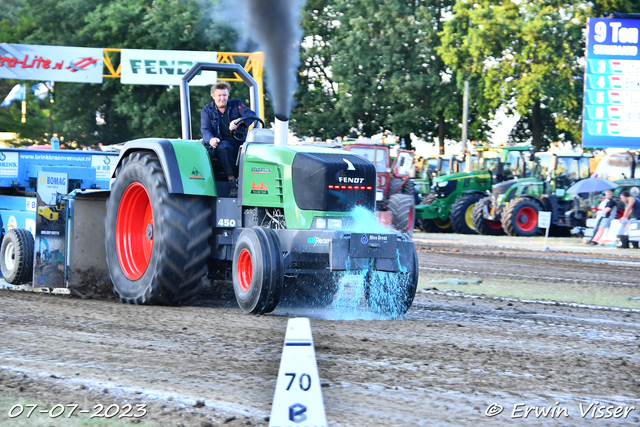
(273, 25)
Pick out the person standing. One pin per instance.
(631, 211)
(219, 120)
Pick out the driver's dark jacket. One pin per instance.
(211, 120)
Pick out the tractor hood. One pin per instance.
(462, 175)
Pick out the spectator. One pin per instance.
(606, 212)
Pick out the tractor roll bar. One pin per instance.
(185, 106)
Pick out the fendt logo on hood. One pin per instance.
(350, 166)
(350, 180)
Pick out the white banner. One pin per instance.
(50, 63)
(164, 67)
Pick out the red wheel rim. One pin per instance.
(245, 270)
(134, 231)
(527, 218)
(495, 225)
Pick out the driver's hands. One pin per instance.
(233, 125)
(214, 141)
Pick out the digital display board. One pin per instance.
(611, 116)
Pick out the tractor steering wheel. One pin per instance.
(240, 132)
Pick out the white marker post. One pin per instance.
(298, 397)
(544, 221)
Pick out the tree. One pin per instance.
(525, 57)
(370, 67)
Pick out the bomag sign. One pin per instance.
(164, 67)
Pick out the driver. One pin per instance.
(219, 120)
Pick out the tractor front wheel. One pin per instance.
(258, 270)
(461, 215)
(403, 213)
(16, 256)
(157, 243)
(484, 226)
(520, 217)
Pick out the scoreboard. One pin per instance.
(611, 116)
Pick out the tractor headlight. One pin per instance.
(321, 223)
(335, 224)
(379, 196)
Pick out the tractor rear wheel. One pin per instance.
(484, 226)
(461, 215)
(393, 293)
(16, 256)
(520, 217)
(157, 243)
(403, 213)
(258, 270)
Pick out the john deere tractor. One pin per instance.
(515, 204)
(300, 224)
(450, 204)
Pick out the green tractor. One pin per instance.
(301, 225)
(450, 204)
(515, 204)
(428, 169)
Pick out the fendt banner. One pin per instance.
(612, 84)
(50, 63)
(164, 67)
(85, 65)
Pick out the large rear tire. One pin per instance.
(16, 256)
(520, 217)
(258, 270)
(484, 226)
(461, 214)
(157, 243)
(393, 293)
(403, 213)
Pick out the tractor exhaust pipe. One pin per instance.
(281, 132)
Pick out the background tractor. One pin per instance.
(301, 225)
(429, 168)
(450, 204)
(396, 192)
(516, 204)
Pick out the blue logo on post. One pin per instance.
(297, 413)
(364, 239)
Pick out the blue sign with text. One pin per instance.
(611, 115)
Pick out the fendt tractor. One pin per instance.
(293, 228)
(450, 204)
(395, 193)
(515, 204)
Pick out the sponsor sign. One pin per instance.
(104, 166)
(50, 63)
(50, 227)
(8, 164)
(164, 67)
(612, 84)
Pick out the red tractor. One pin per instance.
(395, 195)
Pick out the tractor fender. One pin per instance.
(527, 196)
(178, 159)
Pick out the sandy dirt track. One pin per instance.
(449, 362)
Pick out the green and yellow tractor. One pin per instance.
(450, 204)
(515, 205)
(301, 223)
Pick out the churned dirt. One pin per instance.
(453, 360)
